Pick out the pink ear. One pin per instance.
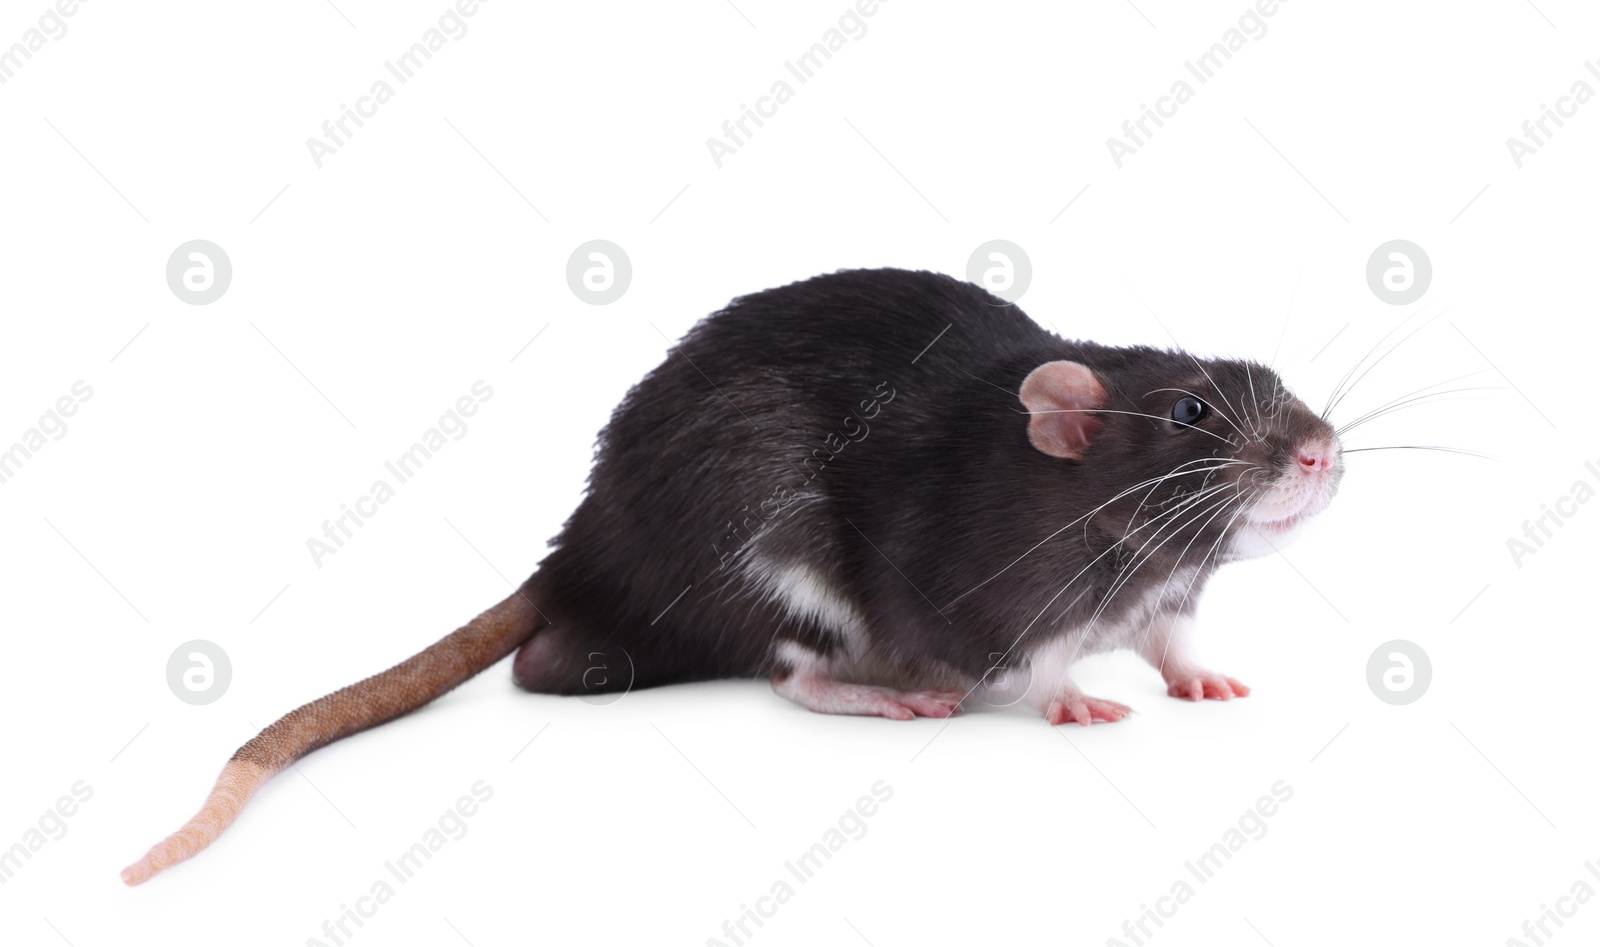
(1059, 396)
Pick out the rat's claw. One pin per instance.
(1205, 685)
(1084, 710)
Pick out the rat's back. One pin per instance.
(717, 520)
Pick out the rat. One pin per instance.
(887, 491)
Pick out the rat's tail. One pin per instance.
(378, 699)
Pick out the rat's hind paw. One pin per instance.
(828, 696)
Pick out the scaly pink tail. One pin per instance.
(403, 688)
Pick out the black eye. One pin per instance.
(1188, 411)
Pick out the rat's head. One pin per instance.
(1180, 448)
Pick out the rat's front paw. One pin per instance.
(1084, 710)
(1205, 685)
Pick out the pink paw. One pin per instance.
(1204, 685)
(1084, 710)
(825, 695)
(906, 705)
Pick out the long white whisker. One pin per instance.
(1012, 647)
(1273, 361)
(1448, 450)
(1255, 428)
(1189, 589)
(1123, 579)
(1379, 360)
(1447, 381)
(1174, 339)
(1127, 572)
(1216, 464)
(1215, 510)
(1176, 472)
(1220, 393)
(1207, 471)
(1198, 364)
(1076, 576)
(1359, 362)
(1418, 401)
(1187, 500)
(1137, 414)
(1220, 413)
(1436, 384)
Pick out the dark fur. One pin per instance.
(941, 492)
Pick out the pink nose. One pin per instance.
(1316, 457)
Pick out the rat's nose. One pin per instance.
(1317, 456)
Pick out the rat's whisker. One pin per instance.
(1223, 394)
(1206, 471)
(1142, 556)
(1171, 516)
(1245, 503)
(1010, 393)
(1214, 464)
(1215, 510)
(1186, 500)
(1418, 401)
(1047, 605)
(1449, 450)
(1220, 413)
(1137, 414)
(1436, 384)
(1149, 546)
(1273, 361)
(1244, 507)
(1354, 368)
(1379, 360)
(1126, 570)
(1481, 371)
(1255, 428)
(1176, 472)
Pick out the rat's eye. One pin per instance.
(1188, 411)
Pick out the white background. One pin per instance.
(178, 504)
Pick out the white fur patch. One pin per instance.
(806, 595)
(1050, 663)
(1247, 541)
(1050, 667)
(1169, 645)
(801, 658)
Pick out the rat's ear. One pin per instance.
(1059, 396)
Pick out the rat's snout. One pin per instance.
(1316, 471)
(1309, 467)
(1318, 455)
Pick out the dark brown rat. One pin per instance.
(880, 488)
